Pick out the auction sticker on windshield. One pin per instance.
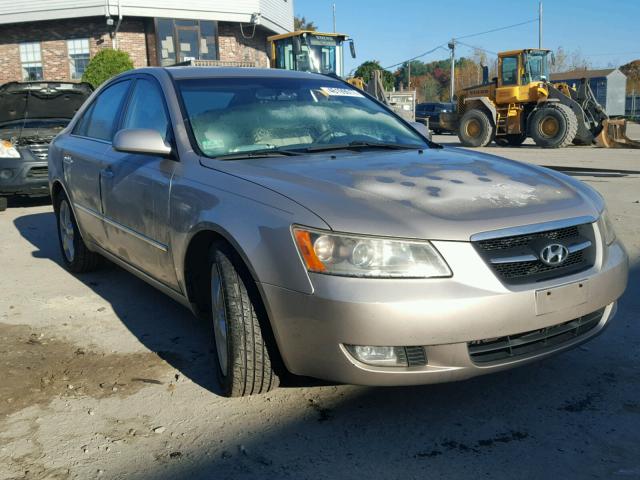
(340, 92)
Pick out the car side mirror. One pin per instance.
(422, 129)
(141, 140)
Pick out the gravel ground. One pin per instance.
(101, 376)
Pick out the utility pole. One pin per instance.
(452, 46)
(540, 24)
(334, 18)
(409, 79)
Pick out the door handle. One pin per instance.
(67, 159)
(107, 173)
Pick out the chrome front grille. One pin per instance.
(524, 240)
(516, 259)
(513, 346)
(40, 151)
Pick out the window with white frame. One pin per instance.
(31, 60)
(78, 56)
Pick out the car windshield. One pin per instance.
(233, 115)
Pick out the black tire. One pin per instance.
(249, 366)
(476, 129)
(81, 260)
(553, 126)
(511, 140)
(3, 204)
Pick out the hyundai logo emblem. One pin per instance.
(554, 254)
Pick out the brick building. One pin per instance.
(54, 39)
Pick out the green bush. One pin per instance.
(106, 64)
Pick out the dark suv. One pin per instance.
(31, 115)
(432, 111)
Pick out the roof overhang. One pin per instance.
(99, 9)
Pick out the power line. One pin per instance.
(497, 29)
(477, 48)
(442, 46)
(416, 57)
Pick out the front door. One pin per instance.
(135, 190)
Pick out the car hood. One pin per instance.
(440, 194)
(20, 100)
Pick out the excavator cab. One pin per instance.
(310, 51)
(520, 73)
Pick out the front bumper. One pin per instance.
(28, 177)
(440, 314)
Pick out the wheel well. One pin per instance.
(197, 281)
(196, 271)
(56, 190)
(482, 106)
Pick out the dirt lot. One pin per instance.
(101, 376)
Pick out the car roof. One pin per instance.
(180, 73)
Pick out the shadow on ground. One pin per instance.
(162, 325)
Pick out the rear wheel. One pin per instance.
(553, 126)
(476, 129)
(244, 365)
(3, 204)
(75, 254)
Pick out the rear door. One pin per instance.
(135, 189)
(85, 155)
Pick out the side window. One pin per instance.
(100, 119)
(147, 109)
(510, 71)
(83, 123)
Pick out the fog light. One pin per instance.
(379, 356)
(6, 174)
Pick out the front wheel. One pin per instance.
(75, 254)
(244, 365)
(553, 126)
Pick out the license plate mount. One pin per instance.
(563, 297)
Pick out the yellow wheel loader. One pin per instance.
(522, 103)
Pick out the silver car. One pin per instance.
(322, 235)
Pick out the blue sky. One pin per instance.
(604, 31)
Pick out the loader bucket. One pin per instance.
(614, 135)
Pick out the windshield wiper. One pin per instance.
(262, 153)
(361, 145)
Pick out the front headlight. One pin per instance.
(362, 256)
(7, 150)
(608, 233)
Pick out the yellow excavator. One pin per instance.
(521, 102)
